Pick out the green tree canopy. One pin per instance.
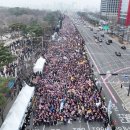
(34, 29)
(18, 11)
(5, 56)
(2, 100)
(52, 17)
(17, 27)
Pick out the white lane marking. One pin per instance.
(43, 127)
(88, 126)
(124, 107)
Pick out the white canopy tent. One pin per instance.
(16, 115)
(39, 65)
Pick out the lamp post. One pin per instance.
(128, 90)
(109, 109)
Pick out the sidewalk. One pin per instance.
(7, 108)
(122, 92)
(116, 40)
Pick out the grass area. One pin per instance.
(3, 85)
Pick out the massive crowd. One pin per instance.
(22, 50)
(66, 91)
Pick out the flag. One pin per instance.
(62, 104)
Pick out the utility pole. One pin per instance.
(123, 35)
(42, 42)
(128, 90)
(43, 31)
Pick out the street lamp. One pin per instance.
(109, 109)
(128, 90)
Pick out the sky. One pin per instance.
(91, 5)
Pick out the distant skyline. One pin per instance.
(91, 5)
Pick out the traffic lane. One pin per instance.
(104, 58)
(112, 48)
(84, 32)
(117, 47)
(119, 62)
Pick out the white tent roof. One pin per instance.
(39, 65)
(16, 114)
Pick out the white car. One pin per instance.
(100, 28)
(96, 40)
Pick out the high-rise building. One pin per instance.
(109, 8)
(124, 12)
(103, 7)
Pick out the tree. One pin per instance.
(5, 56)
(4, 91)
(3, 102)
(17, 11)
(17, 27)
(34, 29)
(52, 17)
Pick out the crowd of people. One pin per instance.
(66, 91)
(22, 50)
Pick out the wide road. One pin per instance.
(104, 59)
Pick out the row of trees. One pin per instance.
(5, 58)
(35, 28)
(30, 20)
(87, 16)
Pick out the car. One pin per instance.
(96, 40)
(118, 53)
(110, 41)
(89, 26)
(107, 43)
(123, 47)
(95, 36)
(95, 32)
(100, 28)
(100, 40)
(91, 29)
(102, 35)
